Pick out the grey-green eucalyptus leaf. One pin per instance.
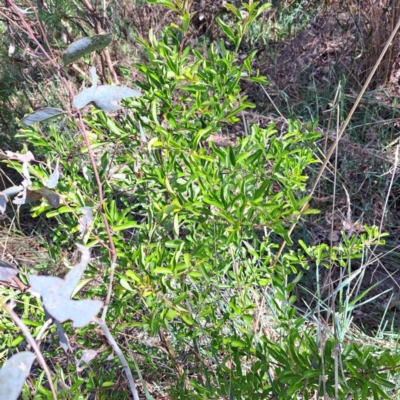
(56, 294)
(85, 46)
(105, 97)
(41, 115)
(54, 177)
(7, 271)
(13, 375)
(5, 194)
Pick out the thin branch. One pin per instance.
(121, 356)
(9, 308)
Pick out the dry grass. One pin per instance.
(22, 251)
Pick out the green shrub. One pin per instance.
(197, 228)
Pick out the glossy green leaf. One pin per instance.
(162, 270)
(126, 225)
(228, 31)
(237, 343)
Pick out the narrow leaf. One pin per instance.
(228, 31)
(162, 270)
(232, 8)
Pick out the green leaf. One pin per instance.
(291, 199)
(233, 9)
(238, 343)
(126, 285)
(168, 186)
(311, 211)
(17, 340)
(365, 391)
(228, 31)
(171, 314)
(61, 210)
(263, 8)
(154, 112)
(294, 387)
(187, 318)
(259, 79)
(280, 230)
(194, 88)
(232, 157)
(163, 271)
(126, 225)
(176, 224)
(200, 134)
(133, 276)
(244, 106)
(213, 202)
(165, 3)
(312, 373)
(262, 191)
(174, 244)
(154, 143)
